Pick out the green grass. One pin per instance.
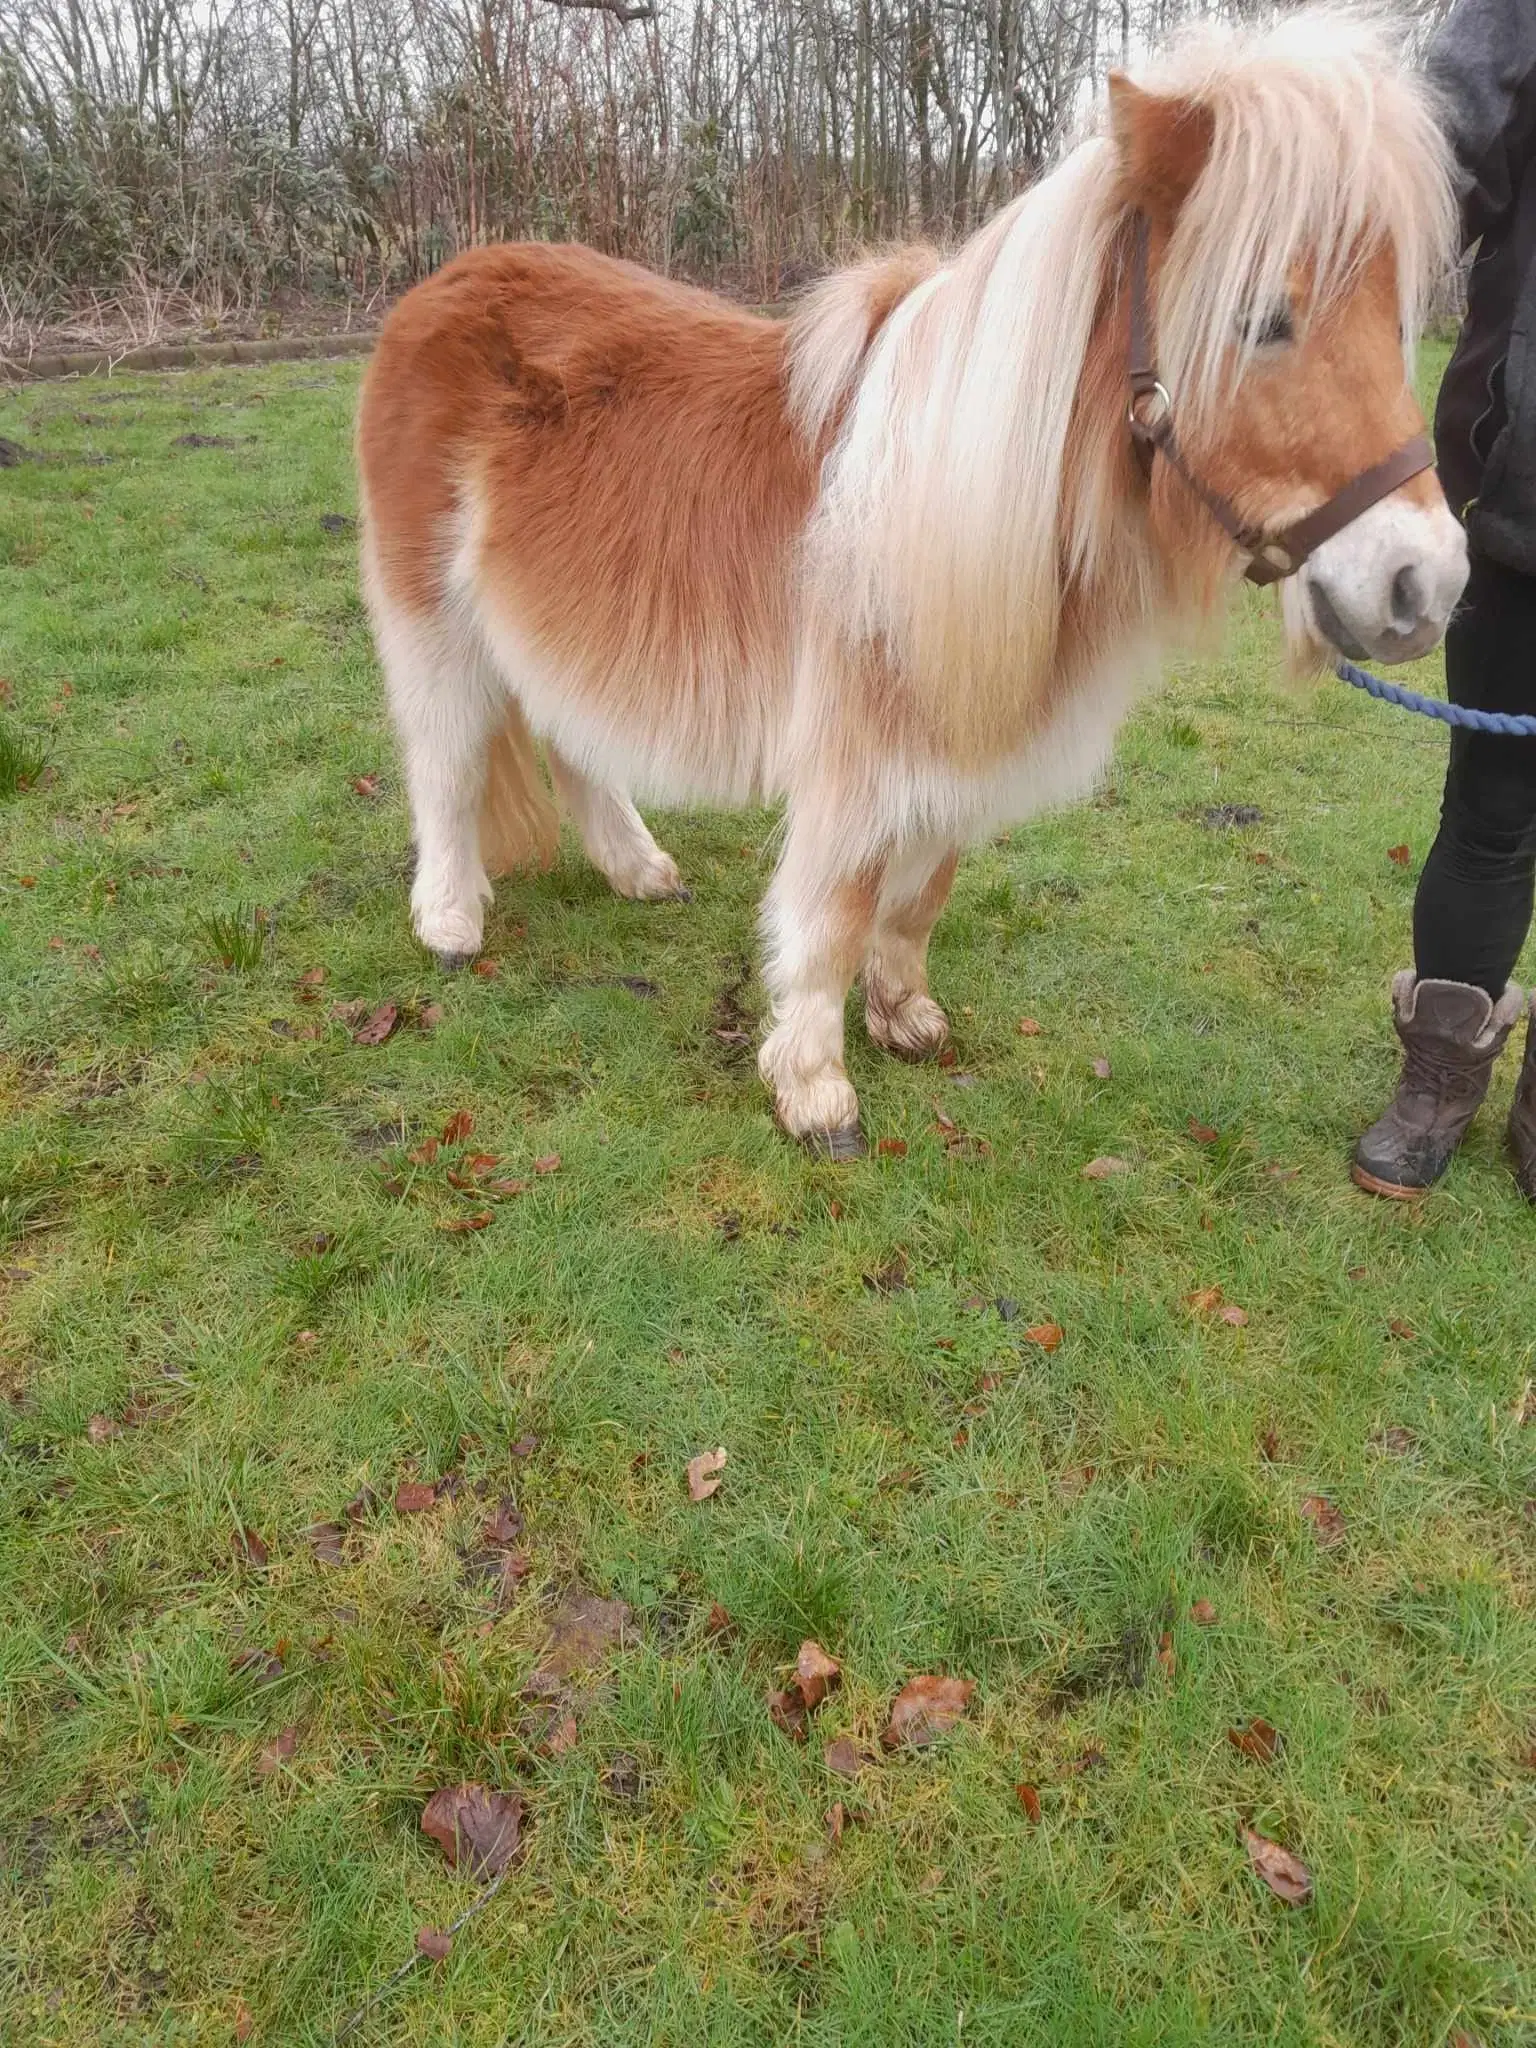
(206, 1203)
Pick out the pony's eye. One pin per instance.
(1271, 329)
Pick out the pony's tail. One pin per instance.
(519, 824)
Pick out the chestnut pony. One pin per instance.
(897, 560)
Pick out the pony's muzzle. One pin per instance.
(1384, 588)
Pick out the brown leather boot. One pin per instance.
(1452, 1034)
(1522, 1116)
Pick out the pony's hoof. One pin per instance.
(840, 1146)
(454, 963)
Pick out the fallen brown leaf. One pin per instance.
(277, 1752)
(477, 1828)
(891, 1278)
(1075, 1480)
(1395, 1439)
(366, 785)
(248, 1546)
(1257, 1740)
(245, 2022)
(504, 1528)
(457, 1225)
(1029, 1027)
(892, 1148)
(1047, 1335)
(525, 1447)
(1204, 1301)
(101, 1429)
(1398, 1328)
(1400, 855)
(310, 982)
(1328, 1525)
(487, 970)
(562, 1737)
(1029, 1799)
(1105, 1167)
(718, 1621)
(429, 1016)
(582, 1630)
(703, 1473)
(1203, 1614)
(362, 1505)
(926, 1708)
(503, 1188)
(424, 1154)
(1287, 1877)
(435, 1943)
(458, 1127)
(836, 1820)
(325, 1539)
(414, 1497)
(550, 1163)
(1203, 1134)
(1269, 1445)
(787, 1711)
(377, 1025)
(1103, 1069)
(1165, 1655)
(1237, 1317)
(817, 1674)
(844, 1757)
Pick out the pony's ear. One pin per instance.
(1162, 143)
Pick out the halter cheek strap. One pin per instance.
(1271, 556)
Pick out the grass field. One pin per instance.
(231, 1302)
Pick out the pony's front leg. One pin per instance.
(898, 1009)
(817, 922)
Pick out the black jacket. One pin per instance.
(1483, 63)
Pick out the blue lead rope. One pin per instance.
(1435, 707)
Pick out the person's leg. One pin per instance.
(1456, 1009)
(1473, 907)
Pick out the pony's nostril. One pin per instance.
(1408, 604)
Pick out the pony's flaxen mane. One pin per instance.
(944, 531)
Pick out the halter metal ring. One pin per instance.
(1145, 422)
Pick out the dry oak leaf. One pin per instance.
(457, 1225)
(561, 1737)
(836, 1820)
(435, 1943)
(1203, 1614)
(1030, 1027)
(1047, 1335)
(704, 1473)
(718, 1621)
(1286, 1875)
(1398, 1328)
(366, 785)
(1165, 1654)
(1257, 1740)
(486, 969)
(844, 1757)
(476, 1828)
(377, 1025)
(1105, 1167)
(1204, 1301)
(245, 2024)
(1203, 1134)
(550, 1163)
(1400, 855)
(503, 1529)
(816, 1674)
(926, 1708)
(101, 1429)
(1328, 1525)
(892, 1148)
(247, 1545)
(277, 1752)
(1237, 1317)
(414, 1497)
(458, 1127)
(1029, 1799)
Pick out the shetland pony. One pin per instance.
(896, 561)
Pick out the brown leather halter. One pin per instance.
(1271, 555)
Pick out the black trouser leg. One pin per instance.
(1473, 907)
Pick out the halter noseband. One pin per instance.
(1271, 555)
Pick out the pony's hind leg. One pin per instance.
(447, 704)
(900, 1013)
(817, 924)
(616, 838)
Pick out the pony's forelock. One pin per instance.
(1324, 144)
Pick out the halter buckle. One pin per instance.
(1161, 409)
